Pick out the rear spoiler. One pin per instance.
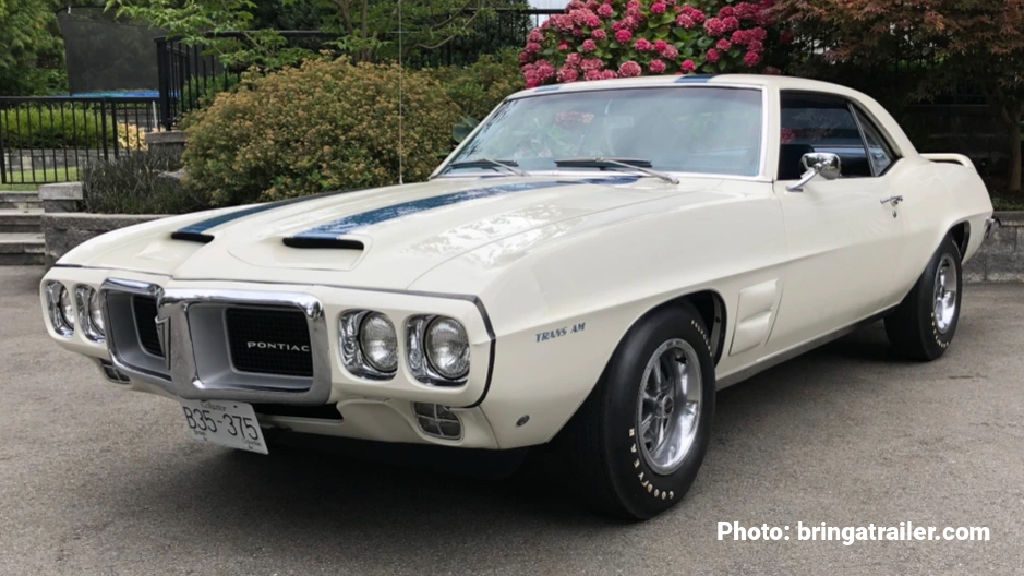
(950, 159)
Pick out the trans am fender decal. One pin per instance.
(345, 225)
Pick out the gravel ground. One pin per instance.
(94, 480)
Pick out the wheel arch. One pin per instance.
(711, 307)
(961, 235)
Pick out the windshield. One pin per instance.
(687, 129)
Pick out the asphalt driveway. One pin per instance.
(94, 480)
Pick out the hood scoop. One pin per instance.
(322, 243)
(191, 237)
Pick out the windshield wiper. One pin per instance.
(510, 166)
(636, 164)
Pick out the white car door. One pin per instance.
(843, 236)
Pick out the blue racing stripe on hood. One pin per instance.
(197, 230)
(348, 224)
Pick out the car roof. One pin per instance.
(743, 80)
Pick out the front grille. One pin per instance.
(144, 309)
(266, 341)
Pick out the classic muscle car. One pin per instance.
(585, 269)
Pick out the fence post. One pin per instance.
(3, 149)
(163, 82)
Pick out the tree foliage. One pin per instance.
(30, 50)
(941, 44)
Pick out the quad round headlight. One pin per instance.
(90, 313)
(379, 342)
(447, 347)
(368, 344)
(60, 308)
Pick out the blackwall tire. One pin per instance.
(623, 465)
(923, 326)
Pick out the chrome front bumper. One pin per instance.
(193, 338)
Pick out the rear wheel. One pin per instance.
(923, 325)
(639, 439)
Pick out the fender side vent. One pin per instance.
(192, 237)
(307, 243)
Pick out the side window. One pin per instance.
(813, 122)
(880, 154)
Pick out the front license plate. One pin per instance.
(223, 422)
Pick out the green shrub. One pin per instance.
(326, 125)
(36, 126)
(481, 86)
(133, 185)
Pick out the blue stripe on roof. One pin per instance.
(354, 222)
(694, 79)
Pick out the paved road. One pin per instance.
(97, 481)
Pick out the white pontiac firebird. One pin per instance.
(589, 265)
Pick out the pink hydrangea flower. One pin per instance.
(563, 47)
(609, 75)
(685, 21)
(715, 26)
(535, 36)
(588, 45)
(630, 68)
(524, 57)
(606, 11)
(623, 36)
(589, 64)
(594, 75)
(714, 55)
(573, 59)
(752, 58)
(731, 23)
(670, 52)
(533, 47)
(657, 66)
(723, 44)
(568, 75)
(658, 8)
(599, 34)
(688, 66)
(644, 45)
(659, 45)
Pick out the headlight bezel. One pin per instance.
(421, 364)
(350, 345)
(87, 301)
(60, 323)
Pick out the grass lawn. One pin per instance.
(20, 180)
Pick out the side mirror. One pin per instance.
(824, 164)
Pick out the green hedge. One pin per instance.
(327, 125)
(34, 126)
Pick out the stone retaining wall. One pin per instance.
(1001, 257)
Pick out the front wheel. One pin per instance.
(923, 325)
(639, 439)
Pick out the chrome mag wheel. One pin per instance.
(668, 409)
(944, 294)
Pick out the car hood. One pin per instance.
(385, 237)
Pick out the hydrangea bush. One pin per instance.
(604, 39)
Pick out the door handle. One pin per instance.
(894, 200)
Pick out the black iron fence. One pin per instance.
(188, 73)
(51, 138)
